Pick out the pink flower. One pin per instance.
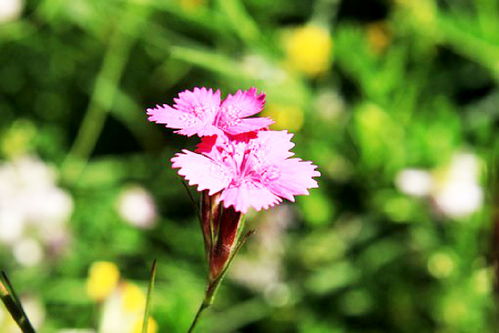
(201, 112)
(250, 170)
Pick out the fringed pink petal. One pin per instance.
(193, 113)
(239, 106)
(248, 194)
(200, 102)
(171, 118)
(290, 177)
(202, 171)
(271, 147)
(248, 125)
(243, 103)
(187, 123)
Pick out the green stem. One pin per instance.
(196, 318)
(105, 89)
(207, 302)
(213, 286)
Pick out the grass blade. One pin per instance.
(13, 304)
(152, 278)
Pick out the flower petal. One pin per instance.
(187, 123)
(243, 103)
(202, 171)
(247, 125)
(206, 144)
(193, 113)
(270, 147)
(200, 102)
(238, 106)
(291, 177)
(248, 194)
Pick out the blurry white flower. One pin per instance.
(464, 167)
(459, 194)
(455, 190)
(55, 241)
(30, 201)
(262, 69)
(136, 206)
(258, 274)
(50, 206)
(277, 294)
(25, 171)
(414, 182)
(28, 252)
(10, 10)
(11, 224)
(329, 104)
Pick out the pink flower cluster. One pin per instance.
(238, 157)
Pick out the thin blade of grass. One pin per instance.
(13, 304)
(150, 288)
(10, 289)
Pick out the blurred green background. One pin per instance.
(396, 101)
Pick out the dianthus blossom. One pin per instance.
(255, 170)
(238, 157)
(201, 112)
(238, 164)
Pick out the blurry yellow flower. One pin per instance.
(441, 265)
(18, 138)
(308, 49)
(454, 309)
(422, 13)
(191, 5)
(285, 116)
(102, 279)
(152, 326)
(134, 298)
(483, 281)
(378, 36)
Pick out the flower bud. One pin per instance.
(228, 231)
(220, 227)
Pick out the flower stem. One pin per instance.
(208, 300)
(198, 315)
(213, 285)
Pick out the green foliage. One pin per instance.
(412, 85)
